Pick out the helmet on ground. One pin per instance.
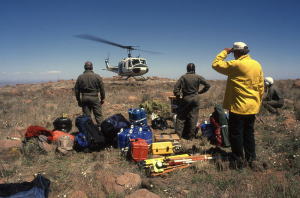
(269, 81)
(240, 46)
(88, 65)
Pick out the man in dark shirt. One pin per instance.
(273, 99)
(187, 87)
(87, 89)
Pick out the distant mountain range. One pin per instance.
(3, 83)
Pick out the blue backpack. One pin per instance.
(89, 135)
(81, 140)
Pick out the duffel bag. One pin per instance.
(112, 125)
(94, 137)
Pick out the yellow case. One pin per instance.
(161, 148)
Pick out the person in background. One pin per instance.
(243, 97)
(90, 93)
(187, 87)
(273, 99)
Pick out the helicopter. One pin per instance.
(128, 67)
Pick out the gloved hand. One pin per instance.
(228, 50)
(79, 103)
(102, 101)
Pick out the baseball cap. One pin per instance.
(239, 46)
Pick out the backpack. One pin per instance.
(111, 127)
(89, 135)
(219, 121)
(159, 123)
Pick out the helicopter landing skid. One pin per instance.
(137, 78)
(140, 78)
(121, 77)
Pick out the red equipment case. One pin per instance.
(139, 149)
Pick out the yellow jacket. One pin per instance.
(245, 83)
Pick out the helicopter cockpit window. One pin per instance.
(129, 63)
(143, 61)
(135, 61)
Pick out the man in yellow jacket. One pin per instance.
(243, 97)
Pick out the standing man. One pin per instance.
(187, 87)
(243, 97)
(273, 99)
(87, 89)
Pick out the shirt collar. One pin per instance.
(244, 57)
(190, 72)
(88, 71)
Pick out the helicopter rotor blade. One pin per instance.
(148, 51)
(94, 38)
(129, 47)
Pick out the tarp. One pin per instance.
(38, 188)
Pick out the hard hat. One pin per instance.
(88, 65)
(269, 80)
(239, 46)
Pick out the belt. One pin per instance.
(90, 94)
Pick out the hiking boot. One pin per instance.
(237, 164)
(255, 166)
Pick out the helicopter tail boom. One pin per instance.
(110, 68)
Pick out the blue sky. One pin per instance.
(37, 42)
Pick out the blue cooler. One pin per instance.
(134, 132)
(137, 116)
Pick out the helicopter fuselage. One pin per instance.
(129, 67)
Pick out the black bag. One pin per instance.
(94, 136)
(159, 123)
(62, 124)
(112, 125)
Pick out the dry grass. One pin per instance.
(278, 141)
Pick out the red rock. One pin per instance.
(7, 144)
(108, 181)
(27, 101)
(129, 180)
(50, 105)
(144, 193)
(296, 83)
(118, 184)
(2, 181)
(289, 123)
(167, 94)
(78, 194)
(16, 134)
(133, 99)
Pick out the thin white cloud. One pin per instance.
(53, 72)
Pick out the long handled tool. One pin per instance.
(159, 166)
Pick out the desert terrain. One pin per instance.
(95, 174)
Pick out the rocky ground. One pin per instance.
(109, 174)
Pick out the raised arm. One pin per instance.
(222, 66)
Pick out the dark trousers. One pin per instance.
(92, 104)
(187, 117)
(241, 134)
